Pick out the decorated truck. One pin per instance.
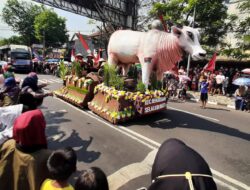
(118, 97)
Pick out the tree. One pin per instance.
(51, 27)
(12, 40)
(20, 15)
(241, 30)
(210, 16)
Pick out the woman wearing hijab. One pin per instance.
(179, 167)
(23, 158)
(30, 85)
(9, 93)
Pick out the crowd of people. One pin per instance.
(219, 82)
(51, 66)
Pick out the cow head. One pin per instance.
(189, 41)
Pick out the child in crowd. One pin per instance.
(61, 164)
(92, 179)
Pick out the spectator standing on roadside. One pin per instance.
(23, 158)
(239, 94)
(204, 92)
(92, 179)
(247, 99)
(61, 165)
(179, 167)
(201, 77)
(219, 80)
(225, 86)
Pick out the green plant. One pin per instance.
(63, 70)
(155, 84)
(77, 69)
(106, 74)
(141, 87)
(80, 90)
(111, 78)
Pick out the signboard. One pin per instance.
(154, 105)
(151, 105)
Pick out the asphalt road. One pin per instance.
(126, 152)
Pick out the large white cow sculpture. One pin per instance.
(155, 50)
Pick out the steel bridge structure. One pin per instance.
(113, 13)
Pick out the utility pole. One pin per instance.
(189, 56)
(43, 43)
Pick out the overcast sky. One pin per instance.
(74, 22)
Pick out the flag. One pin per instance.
(86, 47)
(72, 55)
(210, 66)
(163, 23)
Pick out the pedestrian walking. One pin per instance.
(204, 92)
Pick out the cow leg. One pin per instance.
(146, 71)
(125, 68)
(112, 60)
(159, 76)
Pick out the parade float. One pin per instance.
(78, 87)
(118, 98)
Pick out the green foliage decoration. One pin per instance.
(111, 78)
(80, 90)
(141, 87)
(63, 70)
(77, 69)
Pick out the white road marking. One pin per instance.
(231, 180)
(131, 171)
(135, 136)
(59, 111)
(55, 80)
(199, 115)
(106, 123)
(217, 181)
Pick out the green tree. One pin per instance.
(49, 25)
(210, 16)
(12, 40)
(241, 28)
(20, 15)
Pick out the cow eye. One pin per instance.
(191, 36)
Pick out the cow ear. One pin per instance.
(176, 31)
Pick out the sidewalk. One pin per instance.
(215, 99)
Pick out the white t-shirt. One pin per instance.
(220, 79)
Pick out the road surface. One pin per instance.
(127, 152)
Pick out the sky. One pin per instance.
(74, 23)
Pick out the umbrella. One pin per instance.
(242, 82)
(184, 78)
(246, 71)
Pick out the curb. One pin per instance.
(213, 103)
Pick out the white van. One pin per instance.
(20, 56)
